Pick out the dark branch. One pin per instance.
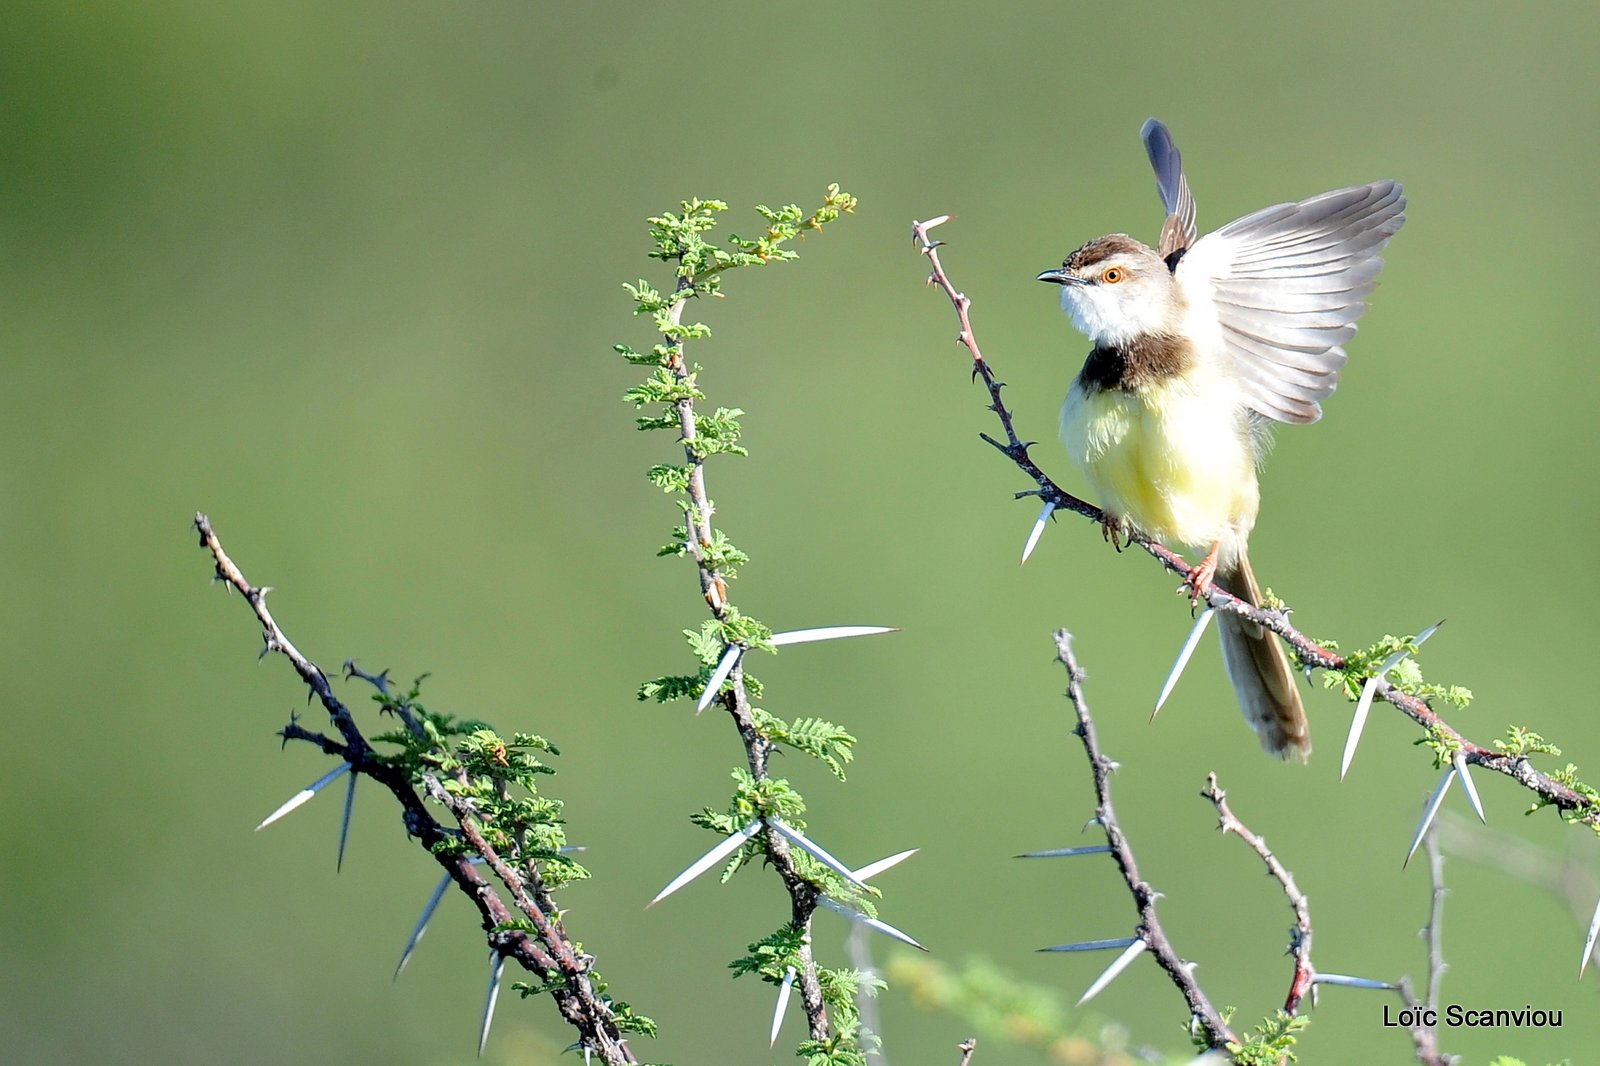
(1149, 929)
(1300, 936)
(549, 956)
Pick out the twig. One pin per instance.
(1149, 929)
(1311, 653)
(1424, 1028)
(1300, 936)
(1433, 932)
(549, 955)
(967, 1047)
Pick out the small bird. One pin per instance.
(1199, 346)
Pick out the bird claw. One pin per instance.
(1198, 583)
(1112, 530)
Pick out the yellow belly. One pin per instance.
(1174, 459)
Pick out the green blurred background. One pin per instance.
(346, 277)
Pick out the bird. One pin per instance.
(1200, 346)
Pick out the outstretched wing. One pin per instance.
(1177, 233)
(1284, 288)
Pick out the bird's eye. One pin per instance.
(1112, 275)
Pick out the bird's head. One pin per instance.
(1116, 288)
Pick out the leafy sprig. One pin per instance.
(667, 401)
(1271, 1043)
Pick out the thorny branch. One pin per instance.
(1311, 654)
(736, 699)
(1149, 930)
(1300, 936)
(549, 955)
(1425, 1037)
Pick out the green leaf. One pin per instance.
(772, 955)
(1521, 741)
(1270, 1041)
(666, 689)
(820, 739)
(669, 478)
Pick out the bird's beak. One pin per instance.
(1059, 276)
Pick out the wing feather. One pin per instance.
(1281, 290)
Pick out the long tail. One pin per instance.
(1259, 669)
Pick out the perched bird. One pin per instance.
(1199, 345)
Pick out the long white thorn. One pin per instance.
(427, 913)
(1351, 982)
(1065, 853)
(1116, 967)
(1368, 690)
(806, 636)
(724, 667)
(1588, 943)
(1183, 658)
(497, 969)
(873, 869)
(1426, 633)
(422, 923)
(1357, 724)
(1416, 642)
(1038, 529)
(783, 1004)
(1429, 811)
(344, 821)
(1093, 945)
(727, 846)
(875, 924)
(1468, 786)
(299, 799)
(817, 851)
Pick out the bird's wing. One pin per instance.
(1279, 292)
(1177, 233)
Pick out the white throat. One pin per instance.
(1113, 318)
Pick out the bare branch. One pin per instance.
(1149, 928)
(1300, 937)
(1425, 1035)
(1433, 932)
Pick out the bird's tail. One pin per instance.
(1259, 669)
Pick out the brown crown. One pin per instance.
(1100, 249)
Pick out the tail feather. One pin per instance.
(1260, 671)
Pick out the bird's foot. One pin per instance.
(1111, 528)
(1198, 583)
